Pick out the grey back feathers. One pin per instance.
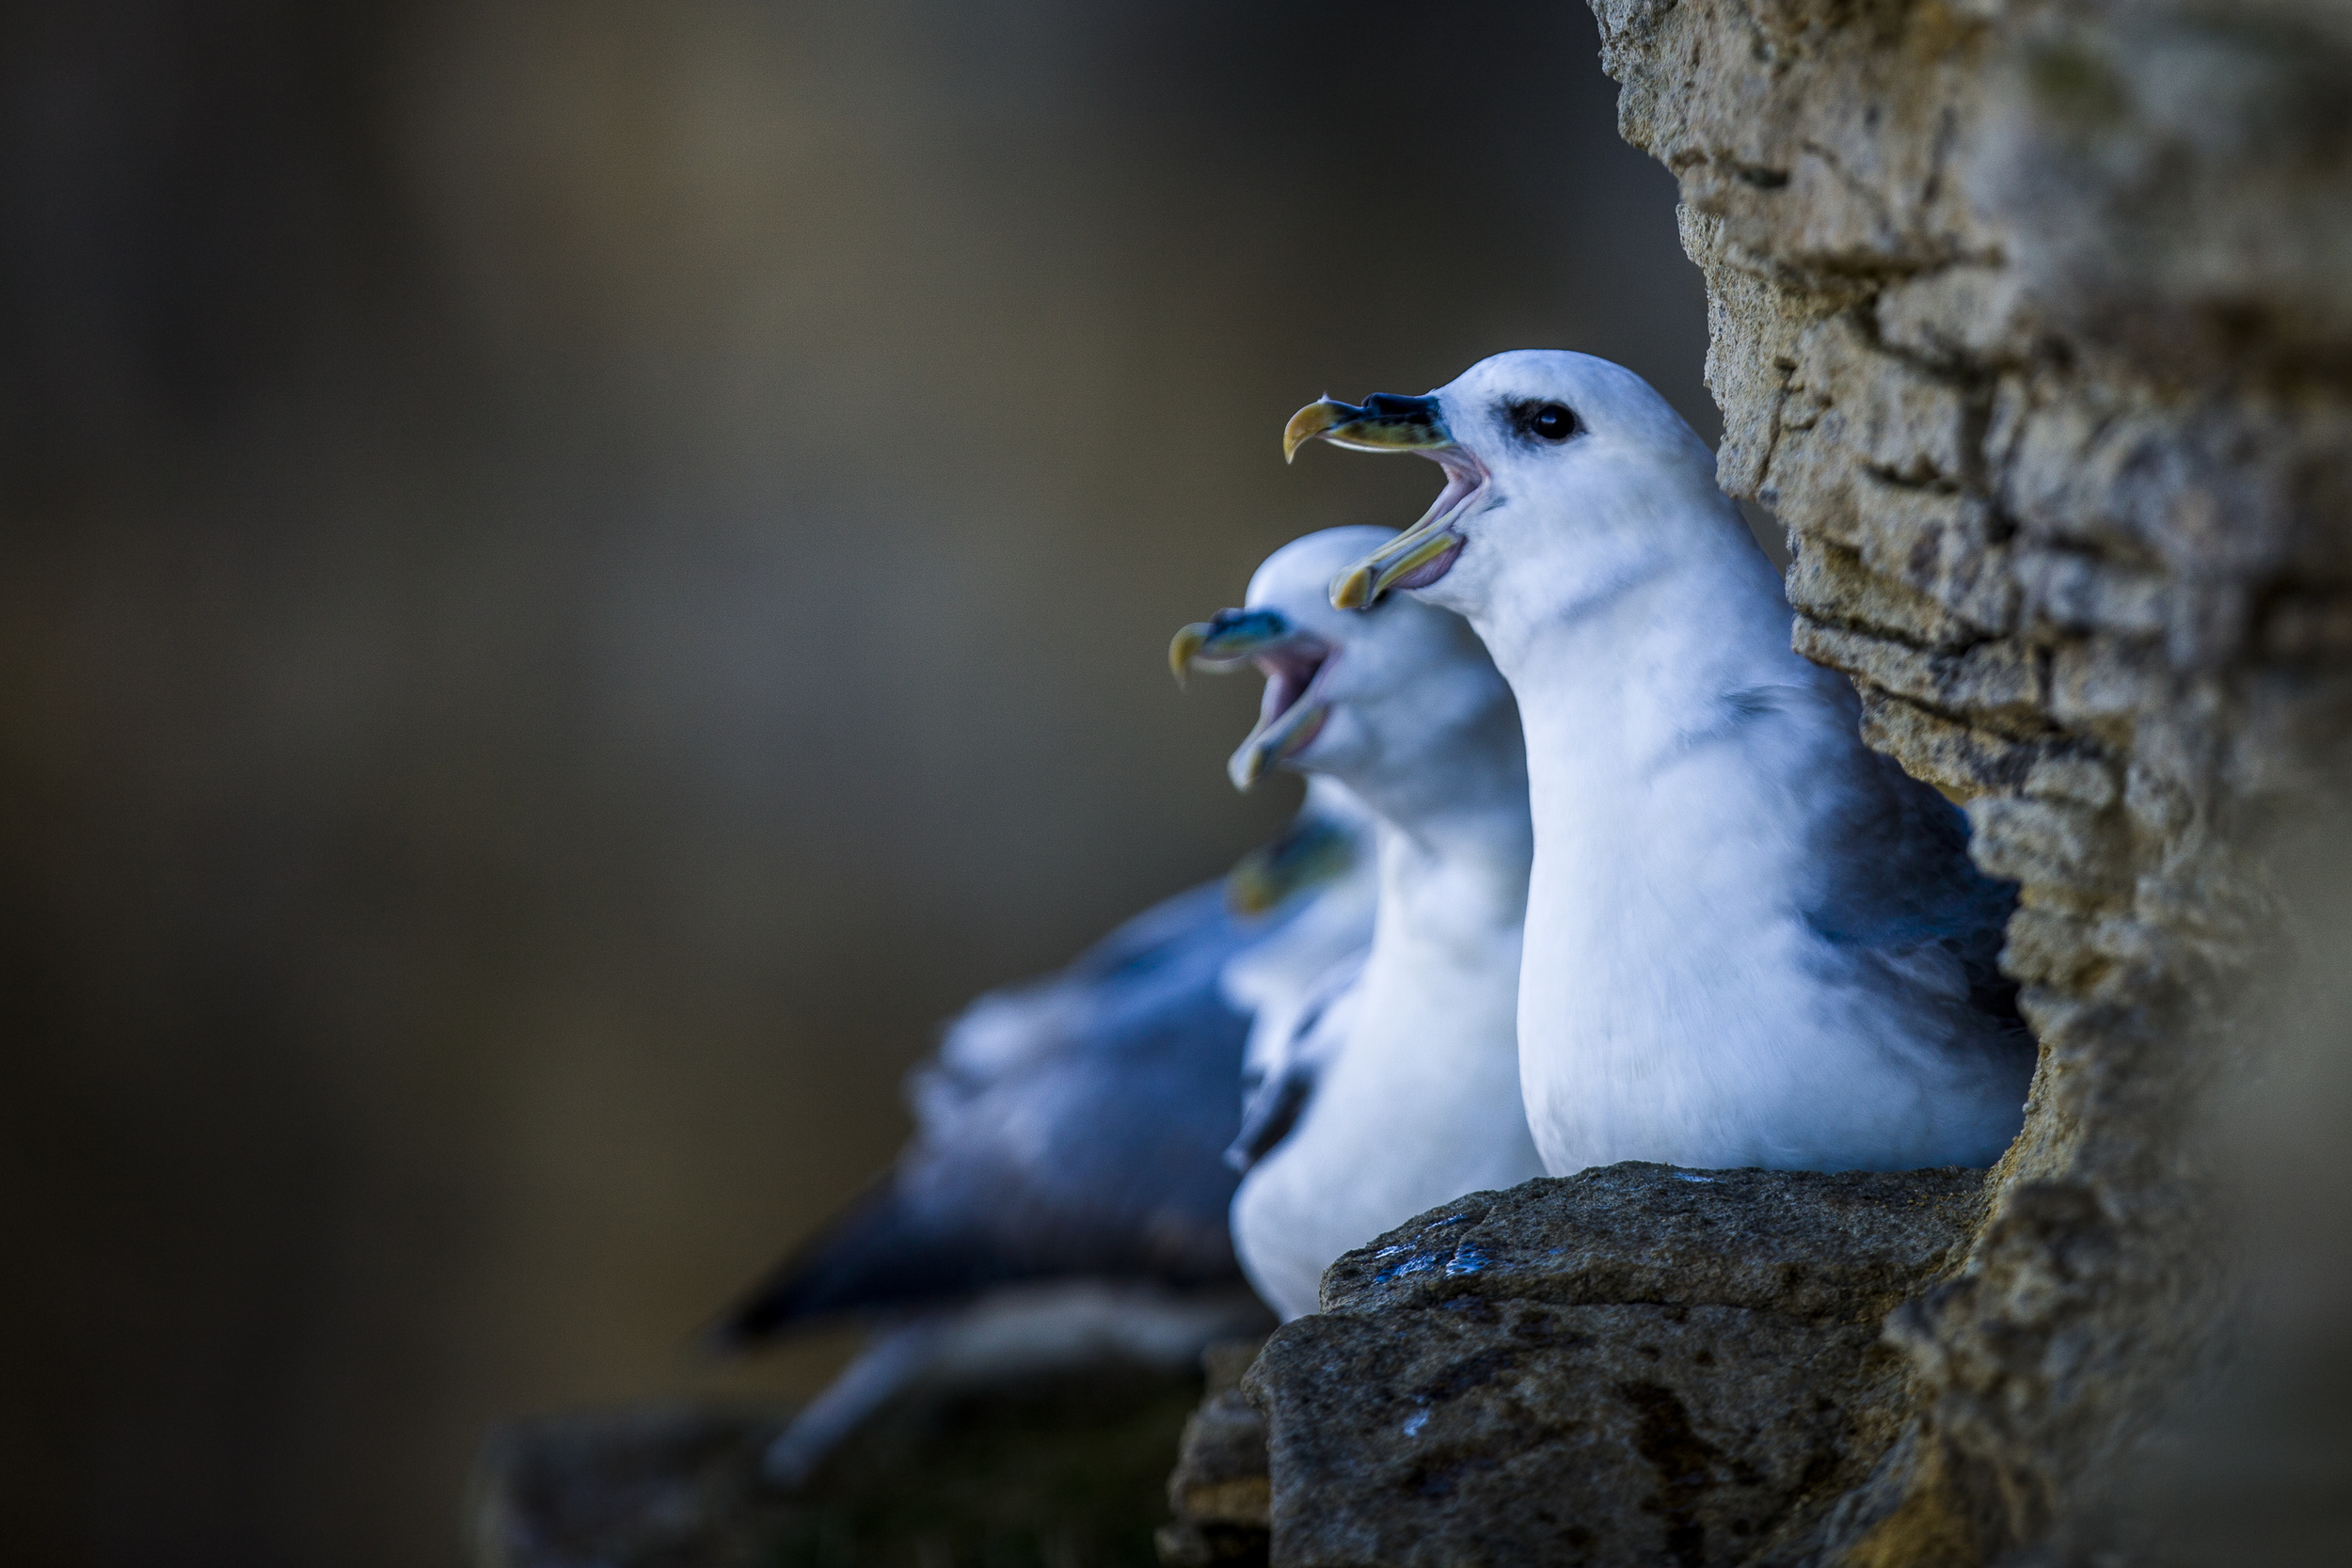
(1074, 1127)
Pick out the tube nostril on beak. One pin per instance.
(1386, 422)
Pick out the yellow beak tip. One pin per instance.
(1310, 421)
(1181, 649)
(1352, 589)
(1244, 767)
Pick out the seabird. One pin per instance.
(1065, 1194)
(1399, 1086)
(1751, 941)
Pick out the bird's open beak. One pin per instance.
(1386, 422)
(1294, 710)
(1311, 853)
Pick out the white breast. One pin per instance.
(1419, 1104)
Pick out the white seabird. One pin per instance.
(1751, 941)
(1065, 1195)
(1402, 1090)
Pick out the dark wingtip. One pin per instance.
(744, 1329)
(833, 1273)
(877, 1257)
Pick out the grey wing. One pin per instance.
(1906, 887)
(1071, 1128)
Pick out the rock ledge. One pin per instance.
(1637, 1363)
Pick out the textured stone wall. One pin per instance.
(2031, 322)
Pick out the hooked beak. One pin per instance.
(1224, 641)
(1311, 853)
(1386, 422)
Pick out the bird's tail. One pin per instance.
(879, 1256)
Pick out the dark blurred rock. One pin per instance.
(1064, 1472)
(1221, 1492)
(660, 1487)
(1632, 1365)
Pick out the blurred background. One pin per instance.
(574, 576)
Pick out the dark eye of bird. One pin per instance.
(1553, 421)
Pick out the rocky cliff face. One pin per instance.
(2033, 322)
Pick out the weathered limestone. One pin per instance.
(2032, 321)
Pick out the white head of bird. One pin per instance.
(1400, 704)
(1569, 482)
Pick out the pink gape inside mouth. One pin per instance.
(1465, 476)
(1467, 484)
(1290, 669)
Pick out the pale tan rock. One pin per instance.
(2086, 288)
(1958, 759)
(2056, 847)
(1993, 679)
(2032, 321)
